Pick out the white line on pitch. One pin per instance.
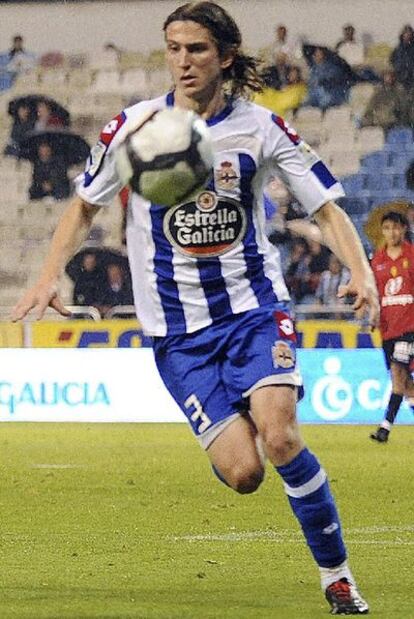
(57, 466)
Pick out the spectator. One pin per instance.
(328, 80)
(117, 289)
(20, 60)
(336, 275)
(284, 46)
(17, 48)
(388, 105)
(298, 269)
(402, 58)
(88, 283)
(50, 177)
(46, 119)
(23, 122)
(349, 48)
(108, 58)
(317, 262)
(289, 98)
(352, 51)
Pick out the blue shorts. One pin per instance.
(212, 372)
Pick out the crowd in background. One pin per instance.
(299, 74)
(296, 74)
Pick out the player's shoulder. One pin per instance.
(254, 110)
(116, 129)
(258, 115)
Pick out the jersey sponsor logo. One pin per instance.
(226, 177)
(209, 226)
(283, 356)
(289, 131)
(397, 299)
(393, 286)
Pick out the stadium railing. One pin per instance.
(334, 312)
(78, 311)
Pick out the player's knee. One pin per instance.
(281, 444)
(245, 479)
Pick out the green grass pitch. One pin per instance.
(127, 521)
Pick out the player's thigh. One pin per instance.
(262, 353)
(192, 375)
(234, 454)
(273, 410)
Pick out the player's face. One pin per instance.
(393, 233)
(194, 61)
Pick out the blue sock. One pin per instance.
(312, 503)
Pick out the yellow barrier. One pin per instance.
(335, 334)
(11, 335)
(87, 333)
(127, 333)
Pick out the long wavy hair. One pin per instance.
(241, 78)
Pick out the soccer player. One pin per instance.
(224, 342)
(393, 267)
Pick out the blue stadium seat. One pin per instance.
(376, 161)
(399, 181)
(400, 160)
(384, 195)
(354, 184)
(379, 182)
(400, 135)
(355, 206)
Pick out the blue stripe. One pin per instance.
(213, 283)
(261, 285)
(323, 174)
(214, 287)
(164, 271)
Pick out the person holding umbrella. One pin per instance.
(52, 152)
(50, 175)
(393, 267)
(23, 123)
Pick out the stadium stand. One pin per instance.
(370, 164)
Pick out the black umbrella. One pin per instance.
(70, 146)
(31, 101)
(104, 257)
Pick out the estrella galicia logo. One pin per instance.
(208, 227)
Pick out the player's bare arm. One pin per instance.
(342, 238)
(71, 231)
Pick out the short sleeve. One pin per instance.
(100, 183)
(298, 165)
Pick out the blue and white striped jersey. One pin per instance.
(197, 262)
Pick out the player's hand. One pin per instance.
(364, 291)
(39, 298)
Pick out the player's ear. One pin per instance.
(227, 58)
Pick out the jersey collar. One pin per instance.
(214, 120)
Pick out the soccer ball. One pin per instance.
(168, 157)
